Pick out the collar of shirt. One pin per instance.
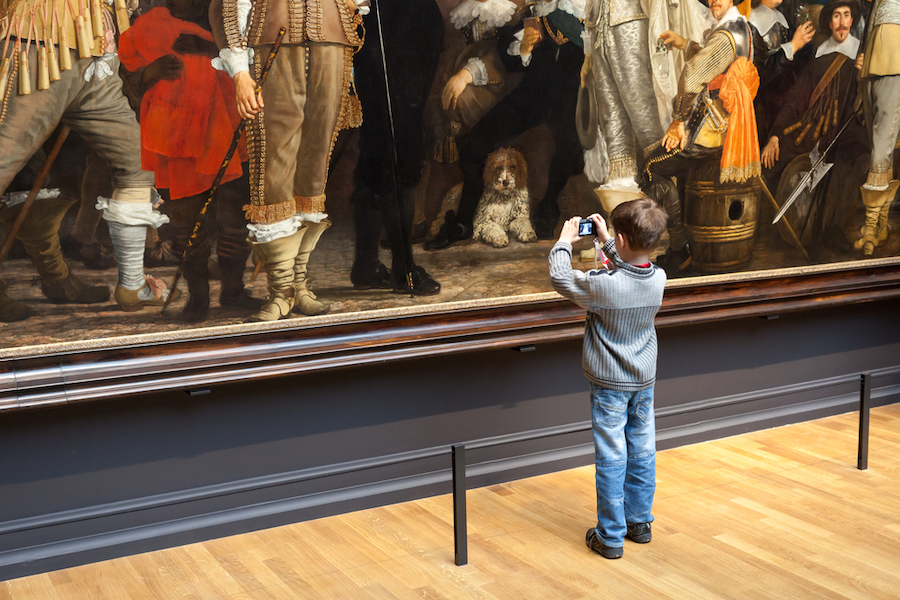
(493, 13)
(849, 47)
(732, 14)
(764, 18)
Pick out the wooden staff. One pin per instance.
(32, 195)
(787, 223)
(228, 156)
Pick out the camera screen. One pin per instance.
(585, 227)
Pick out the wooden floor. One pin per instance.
(778, 514)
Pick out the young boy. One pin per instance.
(620, 362)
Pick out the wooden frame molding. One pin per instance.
(61, 376)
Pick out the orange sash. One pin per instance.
(740, 154)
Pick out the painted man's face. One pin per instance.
(718, 8)
(841, 21)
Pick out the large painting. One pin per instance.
(183, 170)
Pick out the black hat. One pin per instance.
(828, 9)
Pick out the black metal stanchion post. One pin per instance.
(460, 542)
(865, 397)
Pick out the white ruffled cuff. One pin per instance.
(363, 8)
(515, 48)
(313, 217)
(586, 42)
(233, 60)
(266, 232)
(479, 73)
(15, 198)
(130, 213)
(788, 50)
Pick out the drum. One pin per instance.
(720, 219)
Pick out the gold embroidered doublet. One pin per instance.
(330, 21)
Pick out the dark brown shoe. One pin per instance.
(593, 542)
(639, 533)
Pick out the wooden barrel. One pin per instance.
(720, 219)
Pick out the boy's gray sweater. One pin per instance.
(619, 336)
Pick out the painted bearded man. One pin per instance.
(294, 121)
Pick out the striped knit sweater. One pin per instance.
(619, 338)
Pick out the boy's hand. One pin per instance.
(600, 226)
(569, 231)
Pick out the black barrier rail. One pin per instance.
(460, 528)
(458, 454)
(865, 402)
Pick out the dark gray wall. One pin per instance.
(94, 481)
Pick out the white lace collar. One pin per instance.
(573, 7)
(764, 18)
(493, 13)
(849, 47)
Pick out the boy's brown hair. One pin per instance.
(641, 221)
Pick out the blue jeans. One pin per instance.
(625, 457)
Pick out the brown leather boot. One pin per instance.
(305, 302)
(10, 310)
(39, 234)
(278, 256)
(874, 231)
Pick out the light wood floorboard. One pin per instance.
(782, 513)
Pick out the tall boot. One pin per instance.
(367, 271)
(10, 310)
(305, 302)
(196, 274)
(883, 223)
(874, 231)
(232, 251)
(407, 277)
(279, 257)
(678, 254)
(39, 234)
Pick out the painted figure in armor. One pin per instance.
(616, 53)
(712, 115)
(478, 77)
(881, 89)
(59, 66)
(294, 121)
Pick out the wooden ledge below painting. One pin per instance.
(59, 374)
